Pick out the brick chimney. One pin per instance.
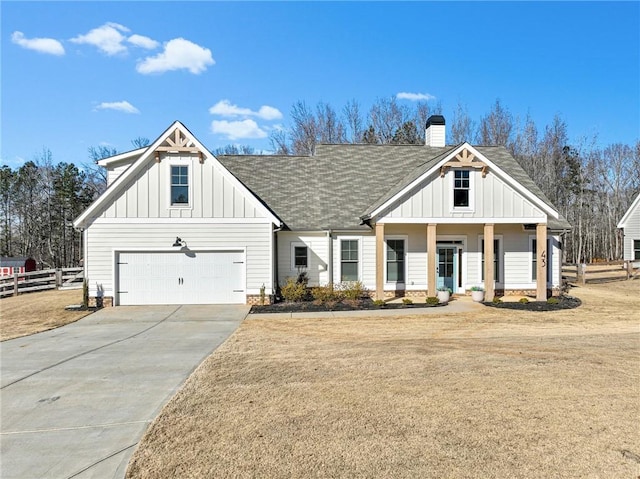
(435, 132)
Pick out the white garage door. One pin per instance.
(192, 277)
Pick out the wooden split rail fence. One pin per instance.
(61, 278)
(600, 272)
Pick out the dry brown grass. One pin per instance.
(496, 394)
(34, 312)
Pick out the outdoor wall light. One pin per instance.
(179, 242)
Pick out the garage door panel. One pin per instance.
(193, 277)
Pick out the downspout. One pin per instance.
(330, 258)
(274, 255)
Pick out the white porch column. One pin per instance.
(541, 254)
(379, 260)
(489, 285)
(432, 261)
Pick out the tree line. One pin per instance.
(592, 186)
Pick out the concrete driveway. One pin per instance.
(76, 400)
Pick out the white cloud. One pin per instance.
(178, 54)
(226, 108)
(143, 42)
(42, 45)
(123, 106)
(414, 96)
(108, 38)
(236, 130)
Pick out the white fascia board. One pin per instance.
(121, 157)
(627, 215)
(122, 179)
(192, 221)
(524, 191)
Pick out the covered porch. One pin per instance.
(418, 258)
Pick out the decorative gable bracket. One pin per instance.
(464, 159)
(178, 144)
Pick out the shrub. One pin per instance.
(85, 293)
(325, 293)
(262, 294)
(432, 300)
(379, 302)
(497, 300)
(353, 290)
(293, 291)
(407, 301)
(553, 300)
(302, 277)
(523, 300)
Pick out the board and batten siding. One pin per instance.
(102, 239)
(631, 232)
(492, 197)
(212, 195)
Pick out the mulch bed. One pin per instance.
(564, 302)
(349, 305)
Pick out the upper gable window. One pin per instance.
(461, 189)
(179, 185)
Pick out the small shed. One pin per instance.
(10, 265)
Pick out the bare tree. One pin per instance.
(140, 142)
(461, 126)
(353, 120)
(496, 128)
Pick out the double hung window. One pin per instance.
(179, 185)
(349, 260)
(461, 189)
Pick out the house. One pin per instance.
(12, 265)
(630, 223)
(178, 225)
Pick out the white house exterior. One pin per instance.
(177, 225)
(176, 192)
(630, 223)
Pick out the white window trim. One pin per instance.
(549, 260)
(180, 162)
(472, 181)
(338, 268)
(298, 244)
(501, 261)
(396, 284)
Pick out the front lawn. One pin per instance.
(31, 313)
(493, 394)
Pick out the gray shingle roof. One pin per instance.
(341, 183)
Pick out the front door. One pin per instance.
(447, 267)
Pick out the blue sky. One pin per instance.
(81, 74)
